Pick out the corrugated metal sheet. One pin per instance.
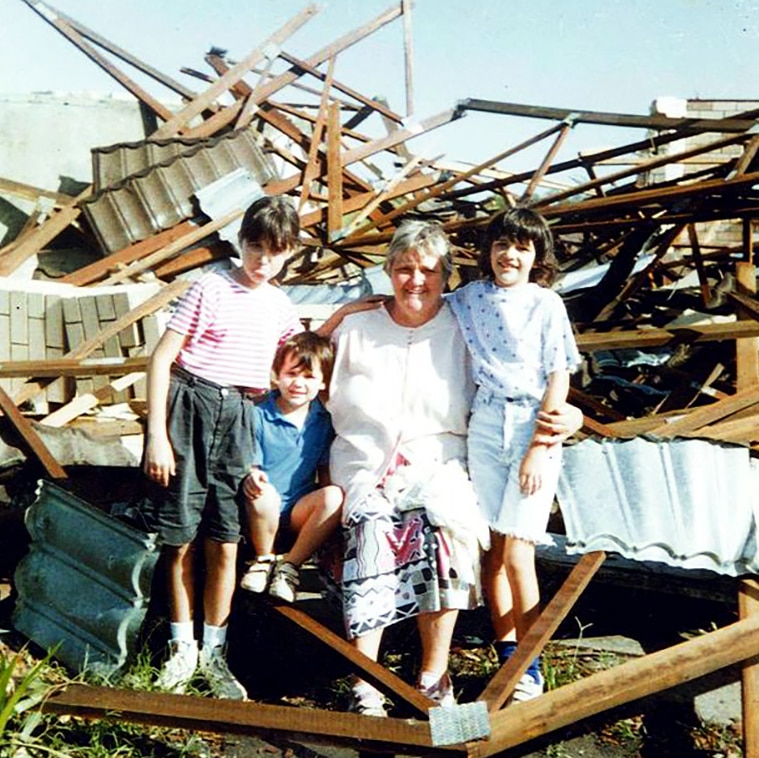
(84, 586)
(160, 196)
(690, 503)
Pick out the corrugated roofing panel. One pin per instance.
(690, 503)
(84, 586)
(161, 196)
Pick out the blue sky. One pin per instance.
(606, 55)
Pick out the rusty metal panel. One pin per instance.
(689, 503)
(84, 586)
(160, 196)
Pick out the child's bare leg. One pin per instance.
(498, 590)
(221, 565)
(314, 518)
(263, 519)
(519, 559)
(180, 562)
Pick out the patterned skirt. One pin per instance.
(396, 565)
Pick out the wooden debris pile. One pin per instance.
(655, 236)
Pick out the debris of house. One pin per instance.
(655, 245)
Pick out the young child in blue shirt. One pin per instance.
(288, 489)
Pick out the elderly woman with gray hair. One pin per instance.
(400, 398)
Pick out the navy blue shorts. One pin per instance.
(211, 429)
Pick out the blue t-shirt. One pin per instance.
(290, 456)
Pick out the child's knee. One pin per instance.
(333, 499)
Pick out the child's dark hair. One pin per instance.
(271, 221)
(309, 351)
(522, 225)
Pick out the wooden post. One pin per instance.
(747, 371)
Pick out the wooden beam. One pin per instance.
(45, 233)
(30, 437)
(127, 57)
(391, 140)
(748, 607)
(331, 50)
(235, 73)
(747, 354)
(89, 400)
(313, 164)
(597, 693)
(370, 670)
(55, 367)
(683, 125)
(173, 248)
(441, 188)
(647, 338)
(236, 717)
(101, 268)
(708, 414)
(505, 680)
(334, 173)
(545, 164)
(698, 259)
(57, 21)
(408, 56)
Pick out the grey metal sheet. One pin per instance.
(690, 503)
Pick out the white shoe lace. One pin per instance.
(179, 669)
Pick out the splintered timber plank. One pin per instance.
(30, 437)
(83, 403)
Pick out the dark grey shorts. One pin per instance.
(211, 431)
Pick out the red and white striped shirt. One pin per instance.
(233, 331)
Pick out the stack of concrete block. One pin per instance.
(42, 320)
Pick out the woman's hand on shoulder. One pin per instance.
(558, 425)
(368, 303)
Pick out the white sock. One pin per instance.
(429, 679)
(183, 631)
(214, 636)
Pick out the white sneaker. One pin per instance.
(212, 666)
(179, 668)
(528, 688)
(441, 692)
(284, 582)
(367, 700)
(257, 574)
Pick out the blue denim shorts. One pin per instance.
(211, 429)
(500, 431)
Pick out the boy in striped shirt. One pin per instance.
(214, 357)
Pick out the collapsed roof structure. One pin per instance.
(655, 239)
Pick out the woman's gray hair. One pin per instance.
(424, 237)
